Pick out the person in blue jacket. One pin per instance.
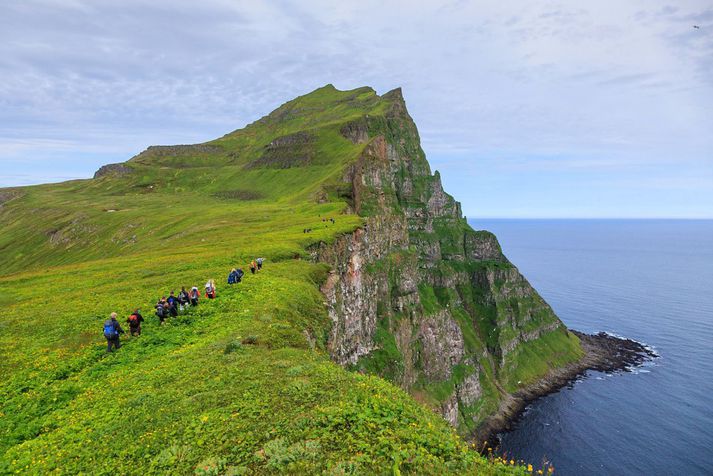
(112, 331)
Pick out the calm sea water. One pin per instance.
(649, 280)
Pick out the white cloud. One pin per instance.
(548, 85)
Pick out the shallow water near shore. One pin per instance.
(648, 280)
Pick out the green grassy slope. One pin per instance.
(232, 387)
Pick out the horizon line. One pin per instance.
(592, 218)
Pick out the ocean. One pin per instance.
(648, 280)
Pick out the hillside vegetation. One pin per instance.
(239, 385)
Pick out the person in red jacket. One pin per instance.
(135, 320)
(194, 295)
(210, 289)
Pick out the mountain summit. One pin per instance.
(378, 310)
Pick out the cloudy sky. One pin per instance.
(528, 109)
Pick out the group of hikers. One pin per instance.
(170, 306)
(324, 220)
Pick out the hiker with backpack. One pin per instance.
(253, 266)
(162, 310)
(235, 276)
(183, 298)
(134, 321)
(112, 330)
(210, 289)
(194, 295)
(172, 305)
(259, 263)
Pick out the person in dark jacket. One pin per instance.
(162, 310)
(172, 305)
(135, 320)
(172, 299)
(112, 331)
(183, 298)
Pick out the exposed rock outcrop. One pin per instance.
(116, 170)
(292, 150)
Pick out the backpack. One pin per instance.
(133, 320)
(239, 273)
(160, 311)
(109, 330)
(194, 294)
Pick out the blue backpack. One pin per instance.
(109, 330)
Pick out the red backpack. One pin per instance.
(133, 320)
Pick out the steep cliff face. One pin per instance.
(417, 296)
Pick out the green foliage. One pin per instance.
(386, 360)
(231, 386)
(232, 346)
(535, 358)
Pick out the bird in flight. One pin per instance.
(696, 27)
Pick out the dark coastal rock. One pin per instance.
(603, 353)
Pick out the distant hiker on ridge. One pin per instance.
(135, 320)
(112, 330)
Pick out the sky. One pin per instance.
(537, 109)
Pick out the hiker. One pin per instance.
(183, 298)
(112, 330)
(235, 276)
(172, 305)
(253, 266)
(162, 310)
(135, 320)
(210, 289)
(259, 263)
(332, 220)
(195, 294)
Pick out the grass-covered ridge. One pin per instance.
(241, 384)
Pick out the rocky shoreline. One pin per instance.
(603, 353)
